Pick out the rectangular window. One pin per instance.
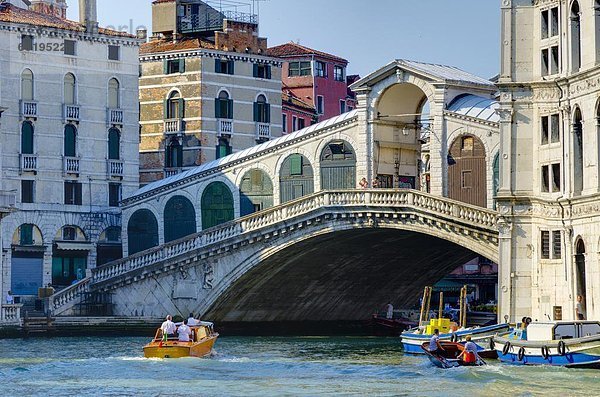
(467, 179)
(545, 62)
(300, 123)
(342, 106)
(262, 71)
(27, 189)
(320, 104)
(556, 244)
(294, 123)
(299, 69)
(114, 52)
(554, 60)
(296, 165)
(554, 21)
(320, 69)
(72, 193)
(70, 47)
(223, 148)
(545, 179)
(175, 66)
(545, 244)
(339, 73)
(284, 123)
(555, 128)
(26, 234)
(26, 43)
(114, 194)
(224, 66)
(556, 177)
(545, 129)
(545, 24)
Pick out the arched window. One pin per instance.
(295, 178)
(114, 101)
(142, 231)
(180, 218)
(70, 141)
(223, 106)
(69, 89)
(577, 152)
(173, 154)
(575, 36)
(27, 85)
(174, 106)
(262, 110)
(338, 166)
(27, 137)
(114, 144)
(217, 205)
(256, 192)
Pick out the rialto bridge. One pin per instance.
(287, 231)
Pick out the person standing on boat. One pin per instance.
(390, 311)
(168, 328)
(434, 342)
(469, 354)
(184, 332)
(191, 321)
(579, 310)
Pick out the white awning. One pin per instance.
(73, 246)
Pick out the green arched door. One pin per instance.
(217, 205)
(338, 166)
(142, 231)
(295, 178)
(256, 192)
(180, 218)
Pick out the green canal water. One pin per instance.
(253, 366)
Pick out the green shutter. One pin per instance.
(296, 165)
(268, 67)
(166, 109)
(230, 108)
(166, 66)
(217, 108)
(181, 108)
(267, 117)
(26, 234)
(27, 138)
(181, 65)
(230, 67)
(78, 193)
(113, 144)
(255, 70)
(256, 112)
(69, 139)
(218, 66)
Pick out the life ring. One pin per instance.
(562, 348)
(521, 354)
(506, 348)
(454, 338)
(528, 320)
(545, 352)
(492, 344)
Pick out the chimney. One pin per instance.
(88, 15)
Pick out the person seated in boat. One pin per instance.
(168, 328)
(469, 354)
(184, 332)
(191, 321)
(434, 342)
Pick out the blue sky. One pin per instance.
(369, 33)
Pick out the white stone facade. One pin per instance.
(550, 160)
(36, 88)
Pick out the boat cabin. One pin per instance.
(562, 330)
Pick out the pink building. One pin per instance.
(316, 78)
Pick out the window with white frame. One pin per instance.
(339, 73)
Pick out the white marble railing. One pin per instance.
(263, 131)
(10, 313)
(225, 126)
(173, 126)
(114, 116)
(69, 296)
(29, 108)
(71, 112)
(28, 162)
(71, 165)
(444, 208)
(114, 168)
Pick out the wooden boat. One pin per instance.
(201, 343)
(448, 358)
(573, 344)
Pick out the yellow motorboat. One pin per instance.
(201, 343)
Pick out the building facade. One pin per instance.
(316, 78)
(296, 114)
(207, 88)
(549, 158)
(69, 142)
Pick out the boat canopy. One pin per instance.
(562, 330)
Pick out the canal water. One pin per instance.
(254, 366)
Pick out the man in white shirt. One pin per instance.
(389, 311)
(191, 321)
(10, 300)
(184, 332)
(168, 328)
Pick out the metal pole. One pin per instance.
(441, 305)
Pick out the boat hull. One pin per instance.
(448, 358)
(481, 336)
(176, 349)
(578, 353)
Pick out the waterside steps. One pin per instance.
(37, 325)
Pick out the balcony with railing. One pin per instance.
(172, 171)
(211, 21)
(8, 201)
(114, 168)
(225, 127)
(70, 113)
(28, 162)
(29, 109)
(71, 165)
(174, 127)
(10, 314)
(263, 131)
(114, 117)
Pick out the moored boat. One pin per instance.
(201, 343)
(558, 343)
(448, 357)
